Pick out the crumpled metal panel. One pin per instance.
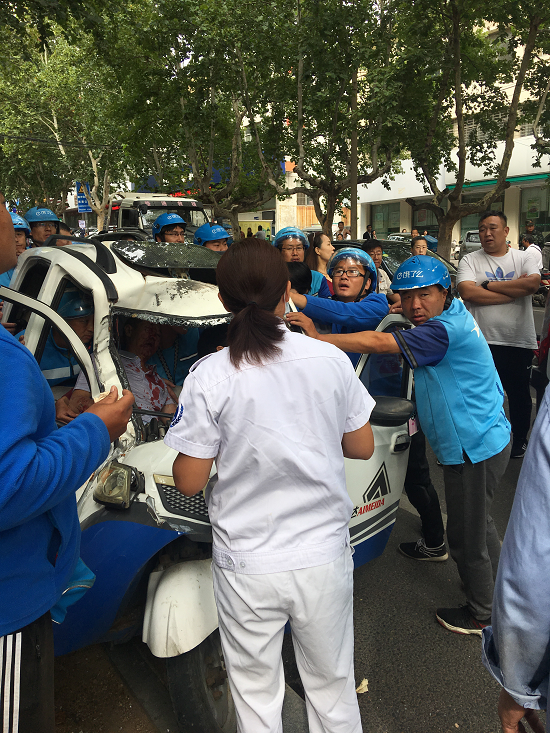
(177, 255)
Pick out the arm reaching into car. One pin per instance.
(114, 412)
(362, 342)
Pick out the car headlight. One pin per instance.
(113, 486)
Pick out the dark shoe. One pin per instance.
(518, 449)
(419, 551)
(461, 621)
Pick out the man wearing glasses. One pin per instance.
(43, 223)
(356, 305)
(169, 228)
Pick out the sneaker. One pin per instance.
(518, 449)
(419, 551)
(461, 621)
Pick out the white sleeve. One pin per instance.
(466, 271)
(530, 262)
(194, 430)
(359, 404)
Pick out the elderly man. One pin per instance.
(496, 284)
(461, 412)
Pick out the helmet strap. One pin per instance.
(365, 278)
(448, 299)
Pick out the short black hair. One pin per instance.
(211, 338)
(64, 227)
(371, 244)
(419, 238)
(501, 215)
(529, 238)
(299, 275)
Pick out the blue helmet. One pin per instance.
(40, 213)
(209, 233)
(166, 220)
(19, 224)
(290, 233)
(421, 271)
(75, 304)
(359, 256)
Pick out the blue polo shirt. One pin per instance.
(459, 395)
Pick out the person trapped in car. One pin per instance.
(459, 399)
(41, 468)
(280, 509)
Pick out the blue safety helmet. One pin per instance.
(421, 271)
(359, 256)
(166, 220)
(209, 233)
(19, 224)
(75, 304)
(290, 233)
(40, 213)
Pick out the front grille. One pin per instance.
(175, 502)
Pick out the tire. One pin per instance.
(199, 689)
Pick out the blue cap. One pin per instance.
(166, 220)
(359, 256)
(20, 224)
(75, 304)
(420, 271)
(40, 213)
(209, 233)
(290, 233)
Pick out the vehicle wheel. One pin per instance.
(200, 691)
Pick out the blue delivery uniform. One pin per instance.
(459, 400)
(58, 365)
(348, 317)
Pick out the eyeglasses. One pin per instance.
(43, 224)
(174, 234)
(350, 273)
(297, 248)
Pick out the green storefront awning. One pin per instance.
(513, 180)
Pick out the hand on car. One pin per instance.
(114, 412)
(396, 308)
(303, 322)
(8, 326)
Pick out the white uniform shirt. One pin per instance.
(280, 502)
(510, 324)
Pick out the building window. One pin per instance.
(385, 219)
(304, 200)
(527, 129)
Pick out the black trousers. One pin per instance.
(513, 365)
(26, 679)
(421, 493)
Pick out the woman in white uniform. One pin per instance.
(278, 412)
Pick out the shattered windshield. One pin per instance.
(166, 254)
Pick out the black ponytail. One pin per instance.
(252, 277)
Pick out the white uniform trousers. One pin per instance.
(318, 603)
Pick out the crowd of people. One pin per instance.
(295, 565)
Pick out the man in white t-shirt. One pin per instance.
(496, 284)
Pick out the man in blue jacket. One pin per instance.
(459, 400)
(41, 467)
(356, 305)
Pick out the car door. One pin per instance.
(375, 485)
(42, 312)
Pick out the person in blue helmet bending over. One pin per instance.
(43, 223)
(459, 399)
(212, 236)
(292, 243)
(169, 228)
(356, 306)
(58, 364)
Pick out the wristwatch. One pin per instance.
(485, 284)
